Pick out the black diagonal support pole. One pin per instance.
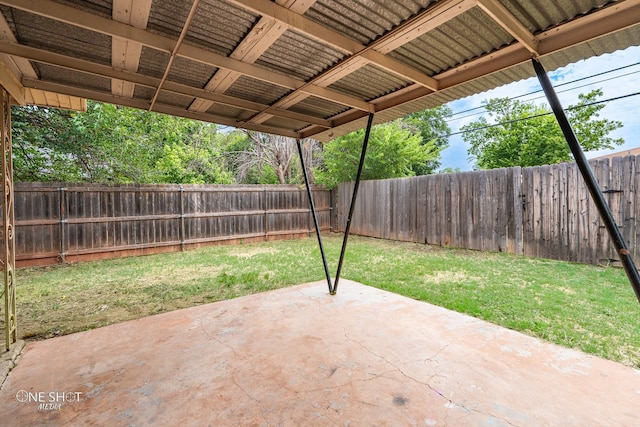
(315, 217)
(353, 202)
(589, 178)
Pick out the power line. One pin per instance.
(452, 118)
(540, 115)
(542, 97)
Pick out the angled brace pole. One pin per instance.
(315, 217)
(353, 202)
(589, 178)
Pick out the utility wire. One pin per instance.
(482, 107)
(539, 97)
(575, 107)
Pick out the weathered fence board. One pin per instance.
(542, 211)
(71, 222)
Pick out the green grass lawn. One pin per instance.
(580, 306)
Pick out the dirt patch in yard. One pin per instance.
(439, 277)
(252, 251)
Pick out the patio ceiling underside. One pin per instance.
(300, 68)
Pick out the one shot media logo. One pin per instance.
(48, 400)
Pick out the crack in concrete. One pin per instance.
(398, 369)
(219, 341)
(395, 368)
(262, 412)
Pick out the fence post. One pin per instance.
(518, 207)
(331, 209)
(309, 217)
(265, 226)
(62, 216)
(182, 237)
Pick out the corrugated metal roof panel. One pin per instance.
(99, 7)
(37, 31)
(318, 107)
(167, 18)
(596, 47)
(369, 82)
(300, 56)
(281, 122)
(305, 52)
(153, 62)
(71, 77)
(256, 90)
(190, 72)
(174, 100)
(231, 112)
(363, 20)
(453, 43)
(143, 92)
(542, 14)
(219, 26)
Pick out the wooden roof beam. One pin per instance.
(306, 26)
(260, 38)
(510, 23)
(87, 20)
(11, 83)
(417, 26)
(422, 23)
(144, 105)
(72, 63)
(125, 54)
(13, 68)
(174, 51)
(613, 18)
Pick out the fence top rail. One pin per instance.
(24, 187)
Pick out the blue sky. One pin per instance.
(619, 83)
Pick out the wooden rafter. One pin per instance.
(262, 35)
(144, 105)
(613, 18)
(375, 52)
(125, 54)
(175, 50)
(87, 20)
(13, 69)
(71, 63)
(303, 25)
(506, 20)
(274, 18)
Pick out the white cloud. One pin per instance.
(619, 83)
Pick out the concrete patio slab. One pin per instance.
(299, 357)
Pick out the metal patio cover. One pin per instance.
(300, 68)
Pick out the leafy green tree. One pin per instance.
(449, 170)
(37, 152)
(433, 127)
(393, 152)
(109, 144)
(525, 134)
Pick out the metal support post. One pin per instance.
(315, 217)
(8, 220)
(353, 202)
(589, 178)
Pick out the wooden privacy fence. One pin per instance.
(71, 222)
(543, 211)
